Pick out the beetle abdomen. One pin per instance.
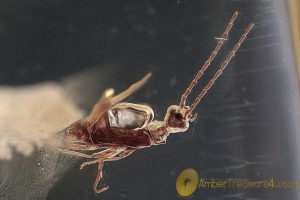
(119, 137)
(102, 134)
(79, 130)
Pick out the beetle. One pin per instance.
(117, 128)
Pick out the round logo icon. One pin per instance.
(187, 182)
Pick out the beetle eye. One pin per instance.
(178, 116)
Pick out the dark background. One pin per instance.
(248, 123)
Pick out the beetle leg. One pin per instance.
(123, 155)
(106, 153)
(98, 178)
(102, 155)
(109, 153)
(109, 157)
(74, 153)
(89, 163)
(80, 147)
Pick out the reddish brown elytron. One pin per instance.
(118, 129)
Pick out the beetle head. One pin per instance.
(177, 118)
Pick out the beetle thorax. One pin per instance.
(158, 131)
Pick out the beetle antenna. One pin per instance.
(223, 66)
(209, 60)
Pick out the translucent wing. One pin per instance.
(130, 116)
(107, 100)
